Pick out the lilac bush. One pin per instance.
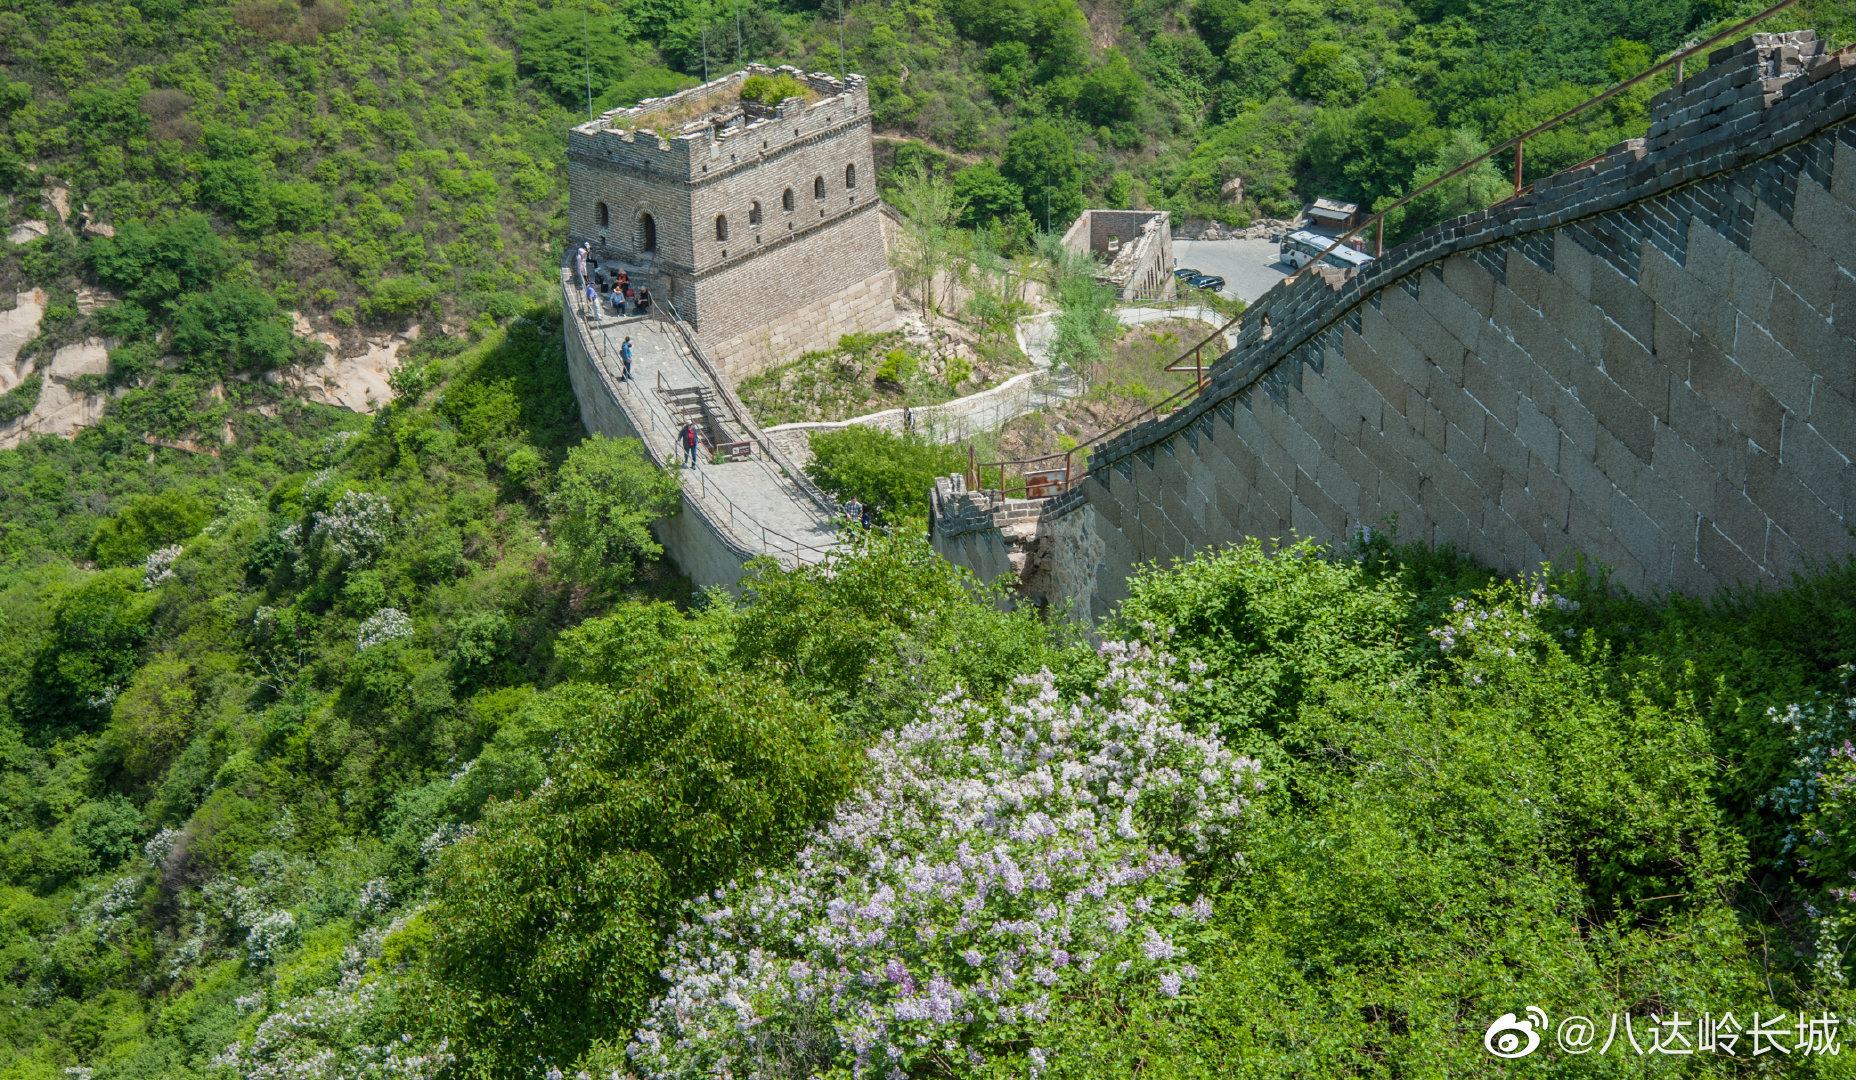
(325, 1036)
(387, 624)
(357, 526)
(994, 859)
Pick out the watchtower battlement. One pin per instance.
(685, 135)
(756, 221)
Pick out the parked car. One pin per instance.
(1206, 281)
(1182, 273)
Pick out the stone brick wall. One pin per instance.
(1142, 263)
(1650, 361)
(766, 311)
(779, 274)
(699, 545)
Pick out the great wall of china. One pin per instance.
(1646, 360)
(1649, 361)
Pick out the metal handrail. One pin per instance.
(708, 493)
(1378, 223)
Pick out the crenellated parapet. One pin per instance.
(704, 130)
(755, 221)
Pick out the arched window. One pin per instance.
(754, 213)
(850, 176)
(721, 226)
(818, 188)
(600, 217)
(647, 233)
(786, 201)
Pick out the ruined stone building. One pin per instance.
(1135, 248)
(758, 223)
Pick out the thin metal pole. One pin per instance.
(1518, 144)
(1379, 241)
(737, 33)
(842, 75)
(586, 33)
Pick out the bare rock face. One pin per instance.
(358, 383)
(1233, 190)
(60, 410)
(17, 327)
(27, 231)
(58, 200)
(88, 357)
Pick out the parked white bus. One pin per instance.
(1303, 247)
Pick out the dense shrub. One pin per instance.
(892, 473)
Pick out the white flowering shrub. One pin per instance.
(159, 566)
(268, 934)
(334, 447)
(114, 906)
(357, 527)
(327, 1036)
(376, 895)
(994, 860)
(1511, 630)
(317, 481)
(158, 848)
(387, 624)
(443, 837)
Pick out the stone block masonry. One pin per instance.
(759, 224)
(1650, 361)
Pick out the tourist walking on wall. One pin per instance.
(854, 511)
(688, 439)
(625, 359)
(580, 261)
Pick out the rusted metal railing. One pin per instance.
(1067, 472)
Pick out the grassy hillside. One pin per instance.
(389, 746)
(371, 165)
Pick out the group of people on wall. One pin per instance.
(611, 290)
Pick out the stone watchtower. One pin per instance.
(759, 223)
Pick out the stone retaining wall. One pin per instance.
(1650, 362)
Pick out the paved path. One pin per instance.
(755, 502)
(1250, 268)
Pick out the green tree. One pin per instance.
(892, 473)
(1112, 91)
(1041, 160)
(230, 328)
(1375, 148)
(1256, 68)
(929, 207)
(1220, 22)
(1329, 74)
(602, 506)
(549, 921)
(155, 267)
(1475, 189)
(986, 195)
(90, 654)
(145, 523)
(559, 56)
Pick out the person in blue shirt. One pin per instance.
(625, 358)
